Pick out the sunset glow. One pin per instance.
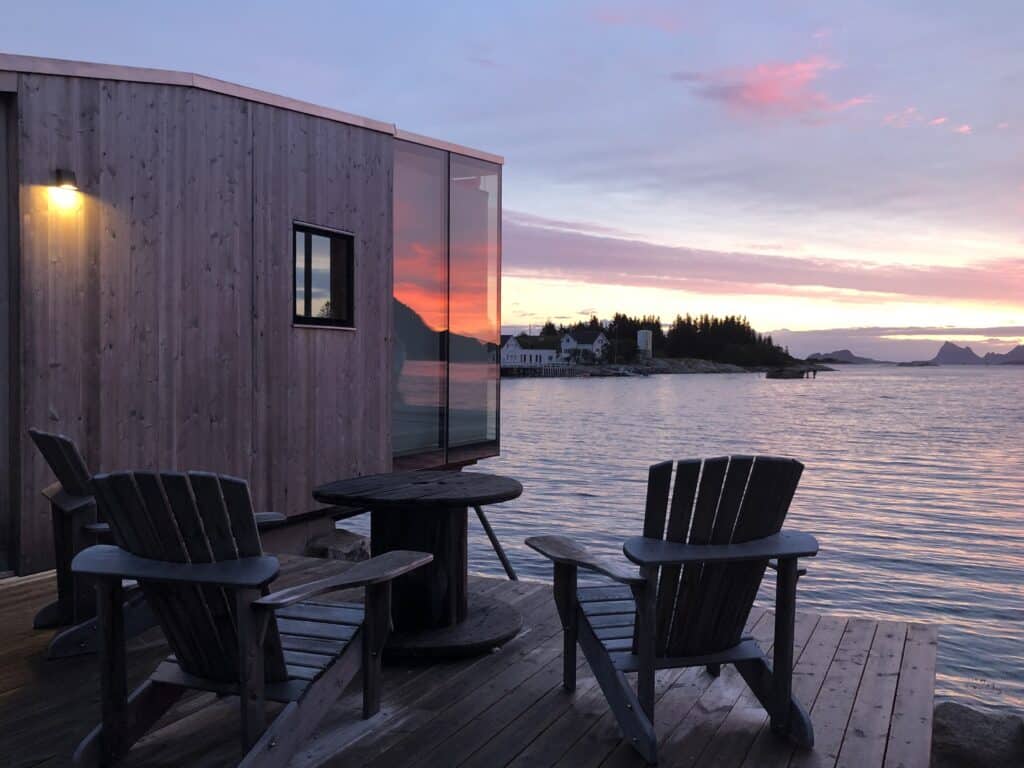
(812, 166)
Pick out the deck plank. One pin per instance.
(910, 733)
(868, 729)
(831, 711)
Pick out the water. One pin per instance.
(914, 486)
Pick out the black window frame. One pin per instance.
(348, 322)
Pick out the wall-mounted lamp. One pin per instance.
(66, 179)
(64, 194)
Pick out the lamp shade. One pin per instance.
(66, 179)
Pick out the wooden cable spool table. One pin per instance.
(427, 511)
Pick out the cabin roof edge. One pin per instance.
(39, 65)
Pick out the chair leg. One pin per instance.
(774, 687)
(782, 663)
(376, 626)
(252, 628)
(62, 611)
(113, 669)
(714, 669)
(645, 598)
(568, 610)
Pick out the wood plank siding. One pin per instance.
(156, 314)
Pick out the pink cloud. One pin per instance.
(964, 129)
(822, 34)
(535, 250)
(637, 16)
(903, 118)
(938, 121)
(1003, 125)
(774, 88)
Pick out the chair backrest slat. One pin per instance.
(190, 525)
(65, 461)
(733, 499)
(238, 504)
(191, 519)
(210, 502)
(659, 478)
(684, 491)
(737, 474)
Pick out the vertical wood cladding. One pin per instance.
(156, 308)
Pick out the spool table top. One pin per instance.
(422, 488)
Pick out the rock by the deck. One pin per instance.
(965, 738)
(340, 544)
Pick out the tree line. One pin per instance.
(729, 339)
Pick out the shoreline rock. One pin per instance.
(660, 365)
(966, 738)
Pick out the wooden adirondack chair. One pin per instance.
(697, 581)
(191, 542)
(76, 525)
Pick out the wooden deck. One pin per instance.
(868, 685)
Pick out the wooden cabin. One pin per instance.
(200, 275)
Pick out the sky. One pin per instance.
(845, 174)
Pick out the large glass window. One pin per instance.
(447, 237)
(324, 266)
(474, 308)
(419, 379)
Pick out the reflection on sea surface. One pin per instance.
(914, 486)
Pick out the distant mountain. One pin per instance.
(1014, 357)
(841, 357)
(951, 354)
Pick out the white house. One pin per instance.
(586, 343)
(525, 351)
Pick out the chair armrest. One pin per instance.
(373, 571)
(562, 549)
(269, 519)
(786, 544)
(66, 502)
(106, 560)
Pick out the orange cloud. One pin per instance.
(780, 88)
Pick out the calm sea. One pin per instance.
(914, 485)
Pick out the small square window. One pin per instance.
(324, 277)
